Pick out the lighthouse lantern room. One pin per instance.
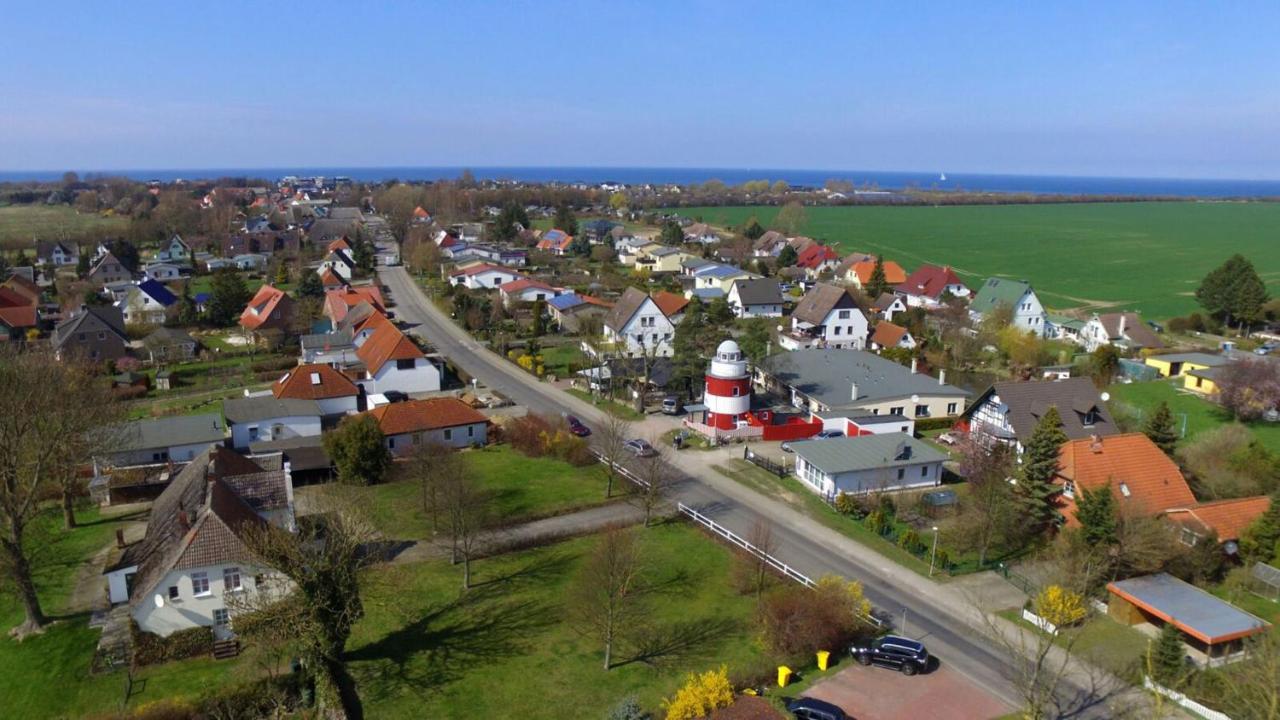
(728, 394)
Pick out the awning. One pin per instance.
(695, 408)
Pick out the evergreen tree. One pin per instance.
(1248, 295)
(688, 363)
(282, 274)
(309, 285)
(1233, 291)
(787, 257)
(672, 234)
(719, 312)
(580, 246)
(1261, 540)
(1168, 662)
(877, 284)
(362, 254)
(566, 219)
(512, 218)
(82, 263)
(753, 229)
(755, 339)
(1160, 428)
(1096, 511)
(21, 260)
(359, 450)
(188, 313)
(227, 297)
(1039, 464)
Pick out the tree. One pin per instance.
(282, 273)
(358, 450)
(719, 312)
(877, 284)
(1169, 661)
(227, 297)
(309, 284)
(795, 619)
(1249, 387)
(565, 219)
(466, 506)
(753, 570)
(1039, 465)
(1261, 540)
(1098, 515)
(313, 617)
(787, 257)
(434, 465)
(188, 311)
(656, 476)
(672, 233)
(1252, 688)
(1160, 429)
(989, 517)
(755, 339)
(700, 695)
(362, 253)
(618, 200)
(791, 219)
(510, 221)
(124, 251)
(605, 595)
(1233, 290)
(688, 350)
(753, 229)
(1059, 606)
(1104, 364)
(580, 246)
(611, 438)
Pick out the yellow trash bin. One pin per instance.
(823, 657)
(784, 675)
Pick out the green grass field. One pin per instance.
(21, 224)
(1147, 257)
(425, 649)
(1200, 415)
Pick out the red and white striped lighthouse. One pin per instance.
(728, 395)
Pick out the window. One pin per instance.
(81, 337)
(173, 592)
(924, 471)
(837, 330)
(843, 315)
(408, 364)
(448, 433)
(951, 408)
(391, 443)
(221, 617)
(1069, 489)
(1090, 418)
(231, 579)
(736, 391)
(902, 472)
(1124, 490)
(922, 411)
(471, 431)
(253, 432)
(199, 583)
(896, 411)
(417, 438)
(315, 378)
(102, 335)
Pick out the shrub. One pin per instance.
(847, 505)
(526, 434)
(359, 450)
(274, 364)
(150, 649)
(628, 708)
(129, 392)
(565, 446)
(797, 621)
(909, 541)
(934, 423)
(1059, 606)
(941, 559)
(886, 505)
(700, 695)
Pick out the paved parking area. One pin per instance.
(874, 693)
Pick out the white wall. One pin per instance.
(338, 405)
(458, 437)
(118, 586)
(845, 332)
(291, 427)
(424, 377)
(187, 611)
(863, 481)
(177, 453)
(640, 325)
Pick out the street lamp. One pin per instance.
(934, 554)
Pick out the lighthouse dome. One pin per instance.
(728, 350)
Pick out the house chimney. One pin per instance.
(1095, 444)
(914, 363)
(119, 537)
(184, 520)
(942, 377)
(853, 391)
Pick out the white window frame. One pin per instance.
(198, 579)
(228, 575)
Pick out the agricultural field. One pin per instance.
(1147, 257)
(20, 225)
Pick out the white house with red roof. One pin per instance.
(443, 420)
(337, 303)
(527, 290)
(269, 308)
(483, 276)
(925, 287)
(556, 242)
(334, 392)
(393, 362)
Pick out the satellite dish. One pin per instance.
(159, 600)
(1106, 396)
(915, 398)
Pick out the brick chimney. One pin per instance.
(1095, 444)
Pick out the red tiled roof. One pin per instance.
(929, 281)
(314, 382)
(16, 309)
(262, 308)
(339, 244)
(1143, 479)
(524, 283)
(670, 303)
(893, 272)
(888, 334)
(477, 269)
(23, 287)
(329, 277)
(338, 302)
(386, 343)
(814, 255)
(1227, 518)
(418, 212)
(420, 415)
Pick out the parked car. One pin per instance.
(671, 405)
(640, 448)
(949, 438)
(576, 427)
(828, 434)
(1266, 349)
(807, 708)
(395, 396)
(898, 653)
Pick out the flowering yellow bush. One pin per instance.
(1059, 606)
(700, 694)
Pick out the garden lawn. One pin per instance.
(626, 412)
(425, 649)
(1147, 257)
(48, 675)
(1201, 415)
(524, 489)
(561, 360)
(1111, 645)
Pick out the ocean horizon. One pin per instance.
(861, 179)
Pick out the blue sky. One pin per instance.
(1085, 88)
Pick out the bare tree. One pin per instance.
(656, 476)
(606, 592)
(611, 438)
(466, 508)
(990, 514)
(754, 565)
(314, 611)
(434, 465)
(1253, 686)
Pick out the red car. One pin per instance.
(576, 427)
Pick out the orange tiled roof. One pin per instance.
(262, 307)
(23, 287)
(888, 334)
(1227, 518)
(329, 277)
(420, 415)
(313, 382)
(338, 302)
(669, 303)
(524, 283)
(339, 244)
(1153, 482)
(386, 343)
(893, 272)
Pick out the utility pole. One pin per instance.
(933, 555)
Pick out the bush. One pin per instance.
(129, 392)
(846, 504)
(935, 423)
(1059, 606)
(627, 709)
(909, 541)
(798, 621)
(150, 649)
(527, 434)
(700, 695)
(565, 446)
(887, 506)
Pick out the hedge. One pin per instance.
(275, 363)
(151, 649)
(935, 423)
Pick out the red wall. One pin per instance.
(792, 431)
(724, 387)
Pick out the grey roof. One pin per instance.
(107, 317)
(997, 291)
(664, 251)
(759, 291)
(626, 307)
(1199, 358)
(249, 409)
(814, 307)
(344, 213)
(303, 453)
(1193, 610)
(167, 336)
(320, 341)
(171, 431)
(868, 452)
(827, 375)
(1026, 402)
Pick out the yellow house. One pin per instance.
(1179, 364)
(664, 259)
(629, 256)
(1201, 380)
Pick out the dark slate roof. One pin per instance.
(759, 291)
(828, 376)
(107, 315)
(1026, 402)
(868, 452)
(627, 306)
(170, 431)
(303, 453)
(165, 336)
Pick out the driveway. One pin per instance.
(873, 693)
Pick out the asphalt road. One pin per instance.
(931, 612)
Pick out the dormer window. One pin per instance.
(315, 378)
(1091, 418)
(1069, 489)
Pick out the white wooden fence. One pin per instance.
(1182, 700)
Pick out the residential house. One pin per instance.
(178, 438)
(1123, 329)
(662, 260)
(329, 280)
(888, 336)
(1017, 295)
(334, 392)
(483, 276)
(526, 290)
(1008, 412)
(769, 244)
(1222, 520)
(445, 420)
(701, 233)
(827, 316)
(340, 263)
(929, 285)
(1171, 365)
(94, 333)
(109, 270)
(176, 251)
(250, 262)
(671, 304)
(162, 272)
(1064, 327)
(19, 308)
(269, 309)
(267, 419)
(195, 554)
(720, 277)
(569, 310)
(760, 297)
(169, 345)
(556, 242)
(828, 382)
(56, 254)
(859, 273)
(888, 305)
(337, 303)
(816, 259)
(637, 325)
(147, 303)
(629, 255)
(336, 349)
(511, 257)
(865, 464)
(393, 362)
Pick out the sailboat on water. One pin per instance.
(942, 177)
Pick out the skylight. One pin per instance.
(1124, 489)
(315, 380)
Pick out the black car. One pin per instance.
(576, 427)
(395, 396)
(810, 709)
(899, 653)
